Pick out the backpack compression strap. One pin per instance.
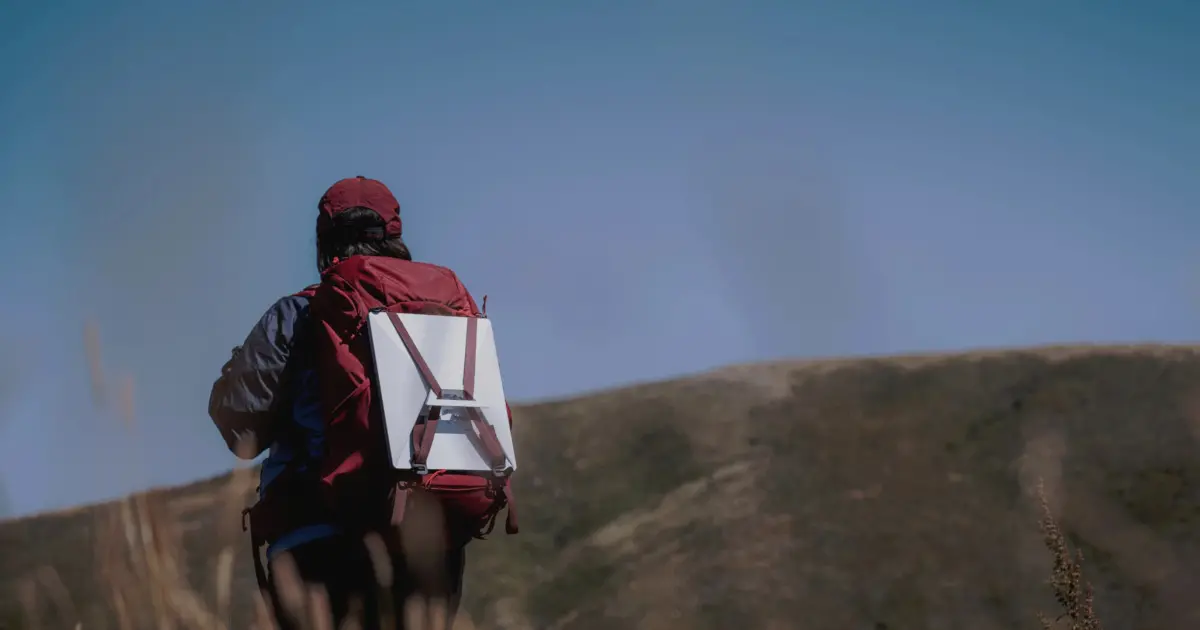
(487, 433)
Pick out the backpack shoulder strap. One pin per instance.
(308, 291)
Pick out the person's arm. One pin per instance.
(246, 400)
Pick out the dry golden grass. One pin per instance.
(887, 493)
(141, 559)
(138, 551)
(141, 574)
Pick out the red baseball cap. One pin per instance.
(359, 192)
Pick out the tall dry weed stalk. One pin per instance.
(138, 551)
(1071, 589)
(141, 558)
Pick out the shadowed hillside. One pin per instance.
(875, 493)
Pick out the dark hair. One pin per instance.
(357, 231)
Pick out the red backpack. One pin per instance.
(363, 488)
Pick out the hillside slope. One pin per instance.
(876, 493)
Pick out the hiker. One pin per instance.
(330, 505)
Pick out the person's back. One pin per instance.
(371, 497)
(300, 385)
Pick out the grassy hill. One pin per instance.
(890, 493)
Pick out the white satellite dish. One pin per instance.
(448, 365)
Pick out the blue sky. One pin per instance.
(642, 189)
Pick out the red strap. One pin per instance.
(308, 291)
(489, 439)
(510, 522)
(419, 360)
(425, 441)
(487, 433)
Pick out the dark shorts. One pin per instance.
(337, 577)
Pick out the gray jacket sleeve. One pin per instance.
(253, 391)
